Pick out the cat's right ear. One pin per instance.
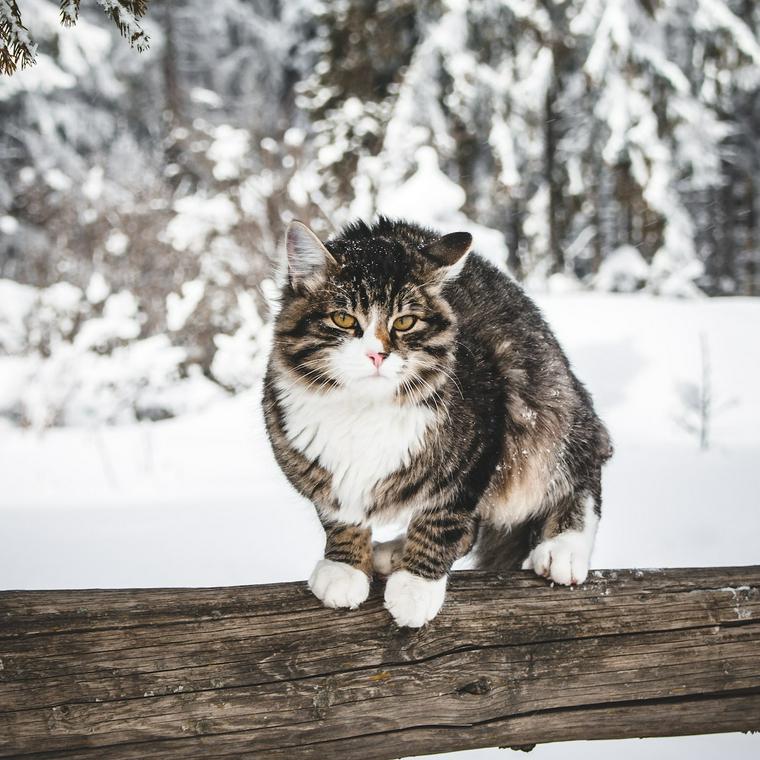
(448, 254)
(307, 256)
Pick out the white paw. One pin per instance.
(563, 559)
(413, 600)
(337, 584)
(386, 555)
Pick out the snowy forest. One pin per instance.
(605, 153)
(587, 144)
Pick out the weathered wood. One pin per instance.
(266, 672)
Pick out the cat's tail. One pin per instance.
(501, 549)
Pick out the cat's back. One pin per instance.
(494, 312)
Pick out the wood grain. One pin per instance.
(266, 672)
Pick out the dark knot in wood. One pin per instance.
(481, 686)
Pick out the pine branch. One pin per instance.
(125, 14)
(69, 12)
(16, 46)
(18, 50)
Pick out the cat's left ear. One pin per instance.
(449, 253)
(307, 256)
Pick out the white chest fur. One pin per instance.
(360, 441)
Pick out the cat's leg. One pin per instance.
(388, 555)
(415, 591)
(342, 578)
(564, 552)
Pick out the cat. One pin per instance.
(410, 379)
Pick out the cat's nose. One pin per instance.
(376, 358)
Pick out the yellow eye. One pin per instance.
(346, 321)
(402, 324)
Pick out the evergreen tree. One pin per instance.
(18, 49)
(585, 143)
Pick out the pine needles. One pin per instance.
(125, 14)
(16, 46)
(17, 49)
(69, 12)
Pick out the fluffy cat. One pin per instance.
(410, 379)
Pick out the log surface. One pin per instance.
(266, 672)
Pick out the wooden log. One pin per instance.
(267, 672)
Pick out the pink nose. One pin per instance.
(376, 358)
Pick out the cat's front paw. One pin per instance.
(413, 600)
(337, 584)
(563, 559)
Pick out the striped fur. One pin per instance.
(473, 421)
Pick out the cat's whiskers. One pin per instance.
(437, 391)
(435, 366)
(406, 384)
(434, 396)
(416, 397)
(318, 372)
(440, 368)
(305, 365)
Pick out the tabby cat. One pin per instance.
(411, 380)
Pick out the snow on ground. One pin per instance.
(199, 501)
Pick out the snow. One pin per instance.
(8, 224)
(560, 282)
(504, 147)
(62, 296)
(119, 322)
(74, 358)
(240, 359)
(83, 47)
(631, 350)
(430, 198)
(44, 77)
(197, 218)
(180, 307)
(458, 141)
(228, 151)
(612, 32)
(205, 97)
(709, 747)
(97, 288)
(714, 15)
(93, 185)
(128, 23)
(255, 191)
(634, 131)
(126, 506)
(57, 180)
(294, 137)
(16, 304)
(116, 243)
(623, 271)
(428, 195)
(298, 190)
(80, 49)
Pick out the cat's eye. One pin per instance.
(343, 320)
(402, 324)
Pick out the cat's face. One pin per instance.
(365, 312)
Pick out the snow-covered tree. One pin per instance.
(585, 143)
(17, 47)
